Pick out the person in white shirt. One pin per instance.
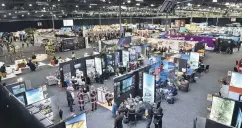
(79, 81)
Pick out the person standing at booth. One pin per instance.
(93, 95)
(80, 96)
(73, 55)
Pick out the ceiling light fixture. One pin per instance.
(44, 8)
(22, 15)
(227, 3)
(215, 1)
(90, 6)
(189, 4)
(42, 15)
(30, 5)
(138, 4)
(9, 14)
(123, 2)
(93, 4)
(5, 16)
(59, 0)
(3, 4)
(199, 5)
(76, 6)
(28, 13)
(129, 1)
(152, 5)
(109, 2)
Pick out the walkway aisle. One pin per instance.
(188, 105)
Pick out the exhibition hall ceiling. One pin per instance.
(63, 9)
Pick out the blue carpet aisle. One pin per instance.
(179, 115)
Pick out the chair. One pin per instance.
(207, 68)
(132, 119)
(202, 68)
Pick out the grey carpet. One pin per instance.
(179, 115)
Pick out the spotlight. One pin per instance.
(9, 14)
(5, 16)
(3, 4)
(76, 6)
(138, 4)
(152, 5)
(90, 6)
(28, 13)
(22, 15)
(129, 1)
(30, 5)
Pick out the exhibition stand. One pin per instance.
(85, 66)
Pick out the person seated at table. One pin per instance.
(97, 77)
(79, 82)
(31, 65)
(131, 113)
(140, 113)
(109, 98)
(88, 80)
(33, 56)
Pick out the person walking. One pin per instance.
(73, 55)
(118, 122)
(80, 96)
(149, 116)
(70, 97)
(93, 98)
(158, 118)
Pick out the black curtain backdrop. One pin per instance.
(20, 25)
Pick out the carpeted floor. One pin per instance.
(179, 115)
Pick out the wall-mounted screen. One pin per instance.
(127, 84)
(18, 89)
(125, 58)
(98, 65)
(34, 95)
(68, 23)
(148, 88)
(90, 67)
(236, 80)
(77, 122)
(124, 42)
(222, 110)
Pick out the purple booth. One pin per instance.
(207, 40)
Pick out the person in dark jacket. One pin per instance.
(3, 69)
(158, 118)
(69, 100)
(31, 65)
(93, 95)
(150, 116)
(118, 122)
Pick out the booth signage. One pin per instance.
(148, 88)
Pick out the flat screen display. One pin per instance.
(67, 22)
(124, 42)
(222, 110)
(127, 84)
(77, 122)
(236, 80)
(98, 65)
(34, 95)
(21, 99)
(148, 88)
(125, 57)
(18, 89)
